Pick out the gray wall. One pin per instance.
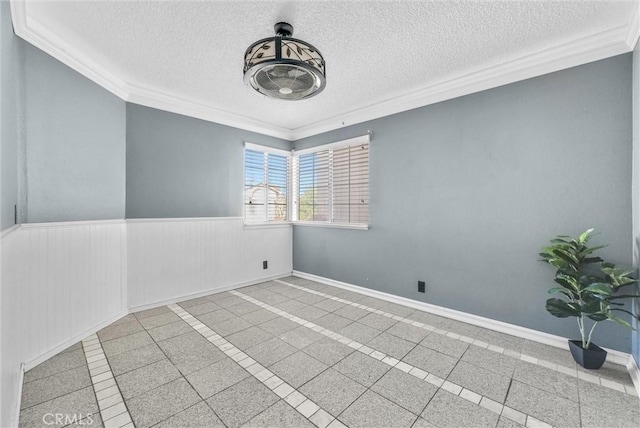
(465, 192)
(9, 63)
(10, 108)
(178, 166)
(75, 144)
(635, 348)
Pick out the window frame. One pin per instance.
(266, 150)
(295, 155)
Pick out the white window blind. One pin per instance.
(266, 184)
(331, 183)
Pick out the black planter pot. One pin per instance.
(592, 358)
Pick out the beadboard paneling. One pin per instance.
(174, 258)
(59, 281)
(63, 281)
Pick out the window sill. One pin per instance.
(267, 225)
(332, 225)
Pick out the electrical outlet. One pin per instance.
(420, 286)
(265, 265)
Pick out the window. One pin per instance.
(266, 184)
(331, 183)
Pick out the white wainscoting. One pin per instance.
(171, 259)
(60, 281)
(63, 281)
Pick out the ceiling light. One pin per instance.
(283, 67)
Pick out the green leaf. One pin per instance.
(584, 291)
(627, 312)
(597, 317)
(600, 288)
(559, 308)
(624, 296)
(611, 269)
(563, 291)
(620, 287)
(593, 249)
(593, 306)
(566, 256)
(620, 321)
(568, 282)
(585, 236)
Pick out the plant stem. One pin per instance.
(590, 332)
(581, 327)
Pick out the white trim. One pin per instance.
(93, 330)
(56, 224)
(266, 149)
(581, 50)
(356, 141)
(594, 47)
(75, 339)
(267, 225)
(165, 302)
(167, 101)
(332, 225)
(634, 372)
(124, 269)
(613, 356)
(295, 182)
(16, 413)
(179, 219)
(634, 27)
(9, 230)
(39, 35)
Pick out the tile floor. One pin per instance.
(295, 353)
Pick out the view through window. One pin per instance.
(266, 184)
(326, 184)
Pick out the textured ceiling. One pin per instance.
(375, 51)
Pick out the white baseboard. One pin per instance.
(613, 356)
(94, 329)
(9, 230)
(16, 415)
(206, 292)
(75, 339)
(634, 372)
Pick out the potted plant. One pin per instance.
(589, 289)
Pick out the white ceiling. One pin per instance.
(382, 56)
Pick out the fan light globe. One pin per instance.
(284, 68)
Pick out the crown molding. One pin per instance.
(39, 35)
(633, 33)
(576, 52)
(165, 101)
(615, 41)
